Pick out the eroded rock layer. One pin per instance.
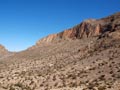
(87, 28)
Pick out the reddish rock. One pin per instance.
(88, 28)
(49, 38)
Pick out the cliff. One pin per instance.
(86, 29)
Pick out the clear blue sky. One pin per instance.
(23, 22)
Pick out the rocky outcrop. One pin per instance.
(88, 28)
(3, 50)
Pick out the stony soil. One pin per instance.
(83, 64)
(86, 57)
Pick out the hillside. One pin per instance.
(85, 57)
(3, 51)
(86, 29)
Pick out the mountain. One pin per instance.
(3, 50)
(85, 57)
(86, 29)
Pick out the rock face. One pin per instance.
(88, 28)
(3, 50)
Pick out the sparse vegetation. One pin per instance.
(72, 64)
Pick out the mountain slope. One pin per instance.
(71, 60)
(3, 51)
(87, 29)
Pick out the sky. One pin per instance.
(23, 22)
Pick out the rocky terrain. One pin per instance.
(87, 29)
(3, 51)
(85, 57)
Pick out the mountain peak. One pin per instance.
(89, 20)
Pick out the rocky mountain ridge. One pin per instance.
(86, 29)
